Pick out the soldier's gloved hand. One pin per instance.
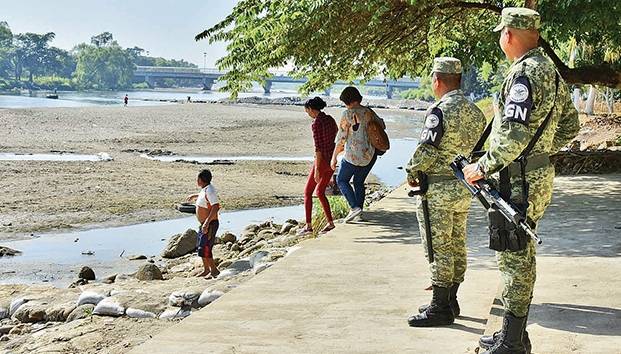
(473, 173)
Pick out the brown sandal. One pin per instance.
(327, 229)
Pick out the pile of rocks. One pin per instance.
(165, 292)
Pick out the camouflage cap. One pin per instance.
(446, 65)
(520, 18)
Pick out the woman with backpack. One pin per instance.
(360, 154)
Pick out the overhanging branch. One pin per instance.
(602, 75)
(471, 5)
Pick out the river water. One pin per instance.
(139, 98)
(54, 257)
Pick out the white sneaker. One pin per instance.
(352, 214)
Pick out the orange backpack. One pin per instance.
(376, 130)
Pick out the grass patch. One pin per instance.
(487, 106)
(339, 208)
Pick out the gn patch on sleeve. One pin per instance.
(433, 130)
(519, 102)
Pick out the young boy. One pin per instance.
(207, 207)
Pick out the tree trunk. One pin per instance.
(577, 99)
(609, 95)
(590, 102)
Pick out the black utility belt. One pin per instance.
(534, 162)
(425, 180)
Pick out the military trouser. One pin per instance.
(519, 268)
(448, 212)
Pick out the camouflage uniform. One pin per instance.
(448, 131)
(526, 98)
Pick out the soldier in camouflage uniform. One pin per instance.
(448, 131)
(529, 93)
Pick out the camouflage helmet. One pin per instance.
(446, 65)
(520, 18)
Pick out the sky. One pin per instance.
(165, 28)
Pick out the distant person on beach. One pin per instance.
(360, 155)
(324, 132)
(207, 207)
(126, 100)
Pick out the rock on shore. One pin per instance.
(6, 251)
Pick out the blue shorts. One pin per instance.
(205, 242)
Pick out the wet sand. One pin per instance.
(41, 196)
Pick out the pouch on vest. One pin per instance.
(504, 235)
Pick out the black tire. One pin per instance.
(186, 208)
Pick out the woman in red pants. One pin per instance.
(324, 132)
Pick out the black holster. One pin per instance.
(423, 186)
(503, 234)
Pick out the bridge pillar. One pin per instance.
(267, 86)
(150, 81)
(389, 91)
(207, 84)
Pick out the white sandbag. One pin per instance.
(89, 297)
(4, 313)
(136, 313)
(109, 307)
(16, 304)
(208, 297)
(174, 313)
(183, 299)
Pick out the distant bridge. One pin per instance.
(210, 76)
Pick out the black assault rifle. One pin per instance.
(490, 198)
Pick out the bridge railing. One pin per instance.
(276, 75)
(160, 69)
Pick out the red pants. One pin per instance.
(325, 173)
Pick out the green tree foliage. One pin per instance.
(6, 49)
(424, 92)
(33, 53)
(102, 39)
(103, 65)
(329, 40)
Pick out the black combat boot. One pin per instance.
(487, 342)
(509, 341)
(438, 313)
(452, 301)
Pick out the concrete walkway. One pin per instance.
(352, 290)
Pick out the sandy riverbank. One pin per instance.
(41, 196)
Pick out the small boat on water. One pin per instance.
(52, 96)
